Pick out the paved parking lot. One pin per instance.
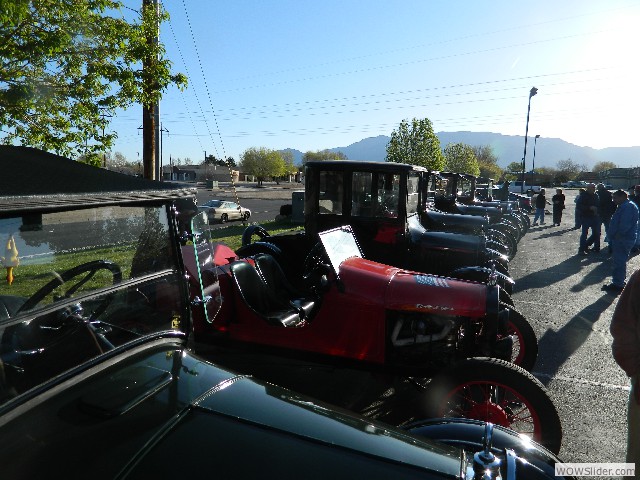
(559, 292)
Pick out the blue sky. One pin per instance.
(324, 74)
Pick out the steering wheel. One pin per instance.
(90, 268)
(316, 267)
(250, 230)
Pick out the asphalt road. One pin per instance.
(560, 294)
(262, 209)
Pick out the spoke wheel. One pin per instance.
(499, 392)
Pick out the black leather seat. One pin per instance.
(257, 295)
(272, 274)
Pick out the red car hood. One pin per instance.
(398, 289)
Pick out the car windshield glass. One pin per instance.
(81, 283)
(340, 244)
(213, 203)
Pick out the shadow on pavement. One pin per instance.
(568, 339)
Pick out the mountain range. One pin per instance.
(507, 148)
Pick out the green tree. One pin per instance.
(417, 144)
(488, 162)
(66, 66)
(485, 155)
(460, 158)
(568, 170)
(602, 166)
(513, 171)
(262, 163)
(322, 155)
(289, 166)
(490, 170)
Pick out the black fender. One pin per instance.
(250, 231)
(482, 274)
(469, 434)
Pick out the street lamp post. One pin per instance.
(532, 92)
(533, 166)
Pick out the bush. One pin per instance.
(286, 210)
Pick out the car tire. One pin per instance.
(224, 218)
(245, 216)
(526, 343)
(496, 391)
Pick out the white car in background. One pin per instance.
(223, 211)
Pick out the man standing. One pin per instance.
(606, 207)
(541, 202)
(635, 198)
(622, 237)
(625, 330)
(588, 208)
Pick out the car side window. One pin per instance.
(331, 192)
(413, 193)
(83, 283)
(388, 195)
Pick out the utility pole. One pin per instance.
(150, 111)
(104, 154)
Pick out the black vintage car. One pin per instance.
(104, 275)
(384, 203)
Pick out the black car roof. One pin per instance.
(32, 180)
(386, 167)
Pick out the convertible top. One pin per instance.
(32, 180)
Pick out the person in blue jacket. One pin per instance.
(622, 237)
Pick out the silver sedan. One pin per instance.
(223, 211)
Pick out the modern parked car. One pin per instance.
(223, 211)
(96, 379)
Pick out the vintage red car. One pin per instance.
(367, 315)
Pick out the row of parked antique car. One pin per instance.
(380, 341)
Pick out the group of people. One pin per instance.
(541, 204)
(618, 213)
(597, 207)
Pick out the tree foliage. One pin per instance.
(490, 170)
(416, 143)
(220, 162)
(569, 169)
(460, 158)
(263, 163)
(602, 166)
(65, 66)
(322, 155)
(488, 162)
(484, 154)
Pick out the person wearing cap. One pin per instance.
(622, 237)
